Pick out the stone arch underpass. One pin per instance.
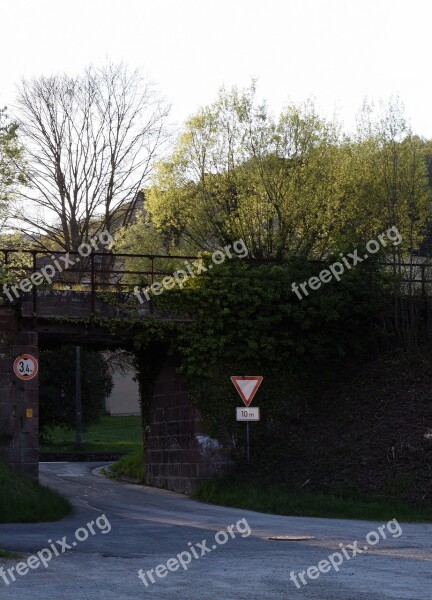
(179, 454)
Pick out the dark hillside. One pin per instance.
(371, 434)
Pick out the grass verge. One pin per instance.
(5, 554)
(25, 501)
(111, 434)
(131, 465)
(241, 493)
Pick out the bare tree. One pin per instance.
(91, 141)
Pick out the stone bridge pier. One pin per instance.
(179, 453)
(19, 400)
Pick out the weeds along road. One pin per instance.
(150, 526)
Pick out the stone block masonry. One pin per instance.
(179, 453)
(19, 400)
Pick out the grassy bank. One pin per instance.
(25, 501)
(111, 434)
(131, 465)
(241, 493)
(4, 554)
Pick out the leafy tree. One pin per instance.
(57, 387)
(142, 237)
(11, 164)
(294, 185)
(390, 176)
(238, 173)
(17, 262)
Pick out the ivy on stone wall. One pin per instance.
(247, 321)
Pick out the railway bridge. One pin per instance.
(179, 454)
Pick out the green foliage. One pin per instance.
(142, 237)
(11, 163)
(247, 321)
(57, 387)
(131, 465)
(25, 501)
(291, 185)
(239, 173)
(10, 555)
(250, 495)
(17, 262)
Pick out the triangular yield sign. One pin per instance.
(247, 386)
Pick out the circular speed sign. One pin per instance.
(25, 367)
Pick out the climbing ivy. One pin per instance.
(245, 320)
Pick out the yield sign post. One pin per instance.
(247, 387)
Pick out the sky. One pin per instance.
(335, 51)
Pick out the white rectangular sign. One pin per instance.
(248, 413)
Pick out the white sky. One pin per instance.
(338, 51)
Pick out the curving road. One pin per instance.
(145, 527)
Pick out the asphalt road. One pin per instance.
(145, 527)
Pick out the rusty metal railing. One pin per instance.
(95, 272)
(103, 271)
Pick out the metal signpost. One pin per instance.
(247, 387)
(78, 408)
(26, 368)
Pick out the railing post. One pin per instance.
(152, 281)
(78, 402)
(423, 282)
(34, 291)
(92, 280)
